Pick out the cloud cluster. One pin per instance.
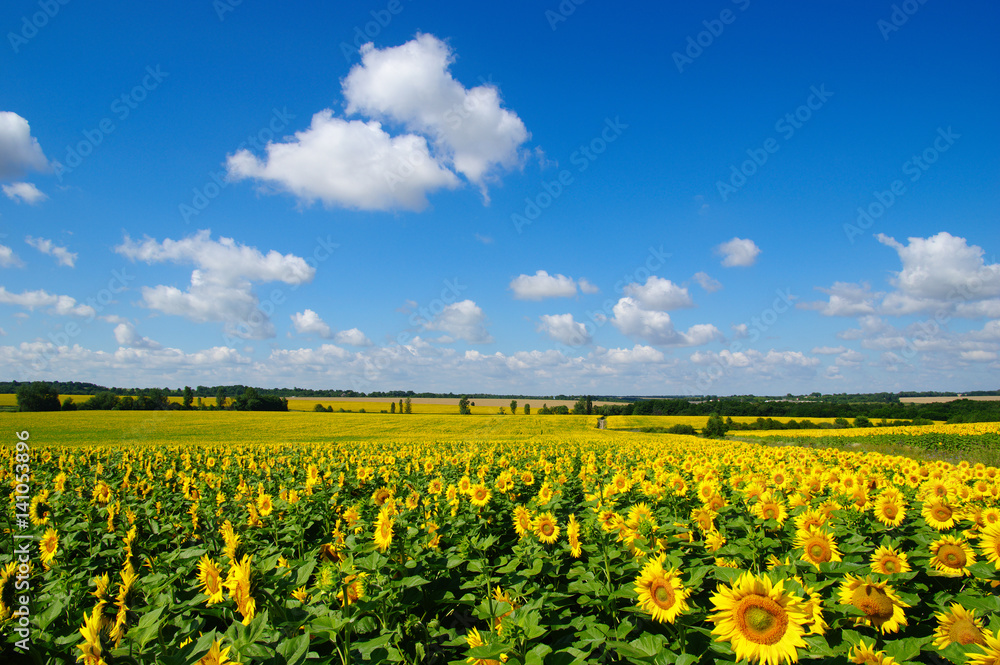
(19, 150)
(358, 164)
(542, 285)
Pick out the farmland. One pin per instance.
(300, 537)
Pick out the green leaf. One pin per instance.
(907, 648)
(294, 650)
(537, 655)
(147, 628)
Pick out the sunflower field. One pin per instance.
(485, 540)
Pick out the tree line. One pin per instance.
(42, 396)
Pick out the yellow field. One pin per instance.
(698, 422)
(938, 428)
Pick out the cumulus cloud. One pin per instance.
(738, 252)
(352, 337)
(126, 335)
(542, 285)
(8, 259)
(19, 150)
(563, 329)
(221, 284)
(707, 283)
(846, 299)
(63, 256)
(357, 164)
(828, 350)
(756, 361)
(24, 192)
(659, 294)
(656, 327)
(61, 305)
(310, 323)
(461, 320)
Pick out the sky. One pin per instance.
(576, 197)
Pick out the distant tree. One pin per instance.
(126, 403)
(513, 406)
(220, 398)
(841, 423)
(502, 411)
(562, 410)
(590, 406)
(862, 421)
(527, 409)
(580, 407)
(319, 408)
(463, 406)
(103, 401)
(715, 428)
(407, 406)
(68, 404)
(188, 397)
(392, 407)
(201, 404)
(400, 406)
(37, 396)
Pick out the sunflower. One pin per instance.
(890, 509)
(957, 625)
(989, 544)
(660, 591)
(355, 586)
(502, 597)
(952, 556)
(216, 656)
(265, 505)
(474, 639)
(102, 493)
(49, 545)
(760, 619)
(770, 508)
(40, 510)
(879, 602)
(888, 561)
(573, 534)
(817, 546)
(813, 608)
(546, 528)
(91, 647)
(714, 541)
(239, 584)
(210, 580)
(522, 521)
(810, 517)
(480, 495)
(991, 651)
(8, 599)
(383, 529)
(938, 514)
(865, 654)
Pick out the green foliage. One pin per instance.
(715, 428)
(68, 404)
(463, 406)
(38, 396)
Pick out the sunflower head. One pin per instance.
(881, 606)
(660, 591)
(958, 626)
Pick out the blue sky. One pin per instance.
(718, 198)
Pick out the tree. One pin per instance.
(400, 405)
(862, 421)
(407, 406)
(590, 406)
(220, 398)
(463, 406)
(68, 404)
(527, 409)
(188, 397)
(38, 396)
(580, 407)
(513, 406)
(392, 407)
(102, 401)
(715, 428)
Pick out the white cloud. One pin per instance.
(19, 150)
(352, 337)
(656, 327)
(851, 358)
(8, 259)
(352, 164)
(637, 354)
(738, 252)
(63, 256)
(707, 283)
(126, 335)
(659, 294)
(461, 320)
(24, 192)
(411, 85)
(828, 350)
(846, 299)
(756, 361)
(563, 329)
(358, 164)
(61, 305)
(310, 323)
(587, 287)
(221, 284)
(978, 356)
(542, 285)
